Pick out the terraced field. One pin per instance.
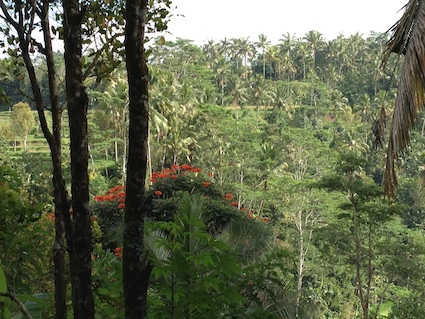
(36, 142)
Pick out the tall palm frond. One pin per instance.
(115, 232)
(408, 38)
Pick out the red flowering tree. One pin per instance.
(164, 196)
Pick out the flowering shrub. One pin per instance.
(118, 252)
(115, 194)
(164, 196)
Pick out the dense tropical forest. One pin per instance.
(263, 196)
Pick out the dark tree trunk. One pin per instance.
(136, 268)
(77, 103)
(60, 194)
(59, 188)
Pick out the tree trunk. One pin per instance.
(60, 193)
(77, 102)
(301, 259)
(136, 268)
(54, 142)
(364, 301)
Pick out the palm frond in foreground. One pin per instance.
(408, 38)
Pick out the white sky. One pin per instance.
(218, 19)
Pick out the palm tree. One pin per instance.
(263, 44)
(242, 48)
(211, 51)
(286, 46)
(315, 42)
(224, 48)
(274, 57)
(234, 52)
(245, 49)
(407, 39)
(261, 93)
(302, 51)
(363, 108)
(287, 43)
(337, 54)
(237, 89)
(222, 70)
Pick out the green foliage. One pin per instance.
(33, 304)
(268, 287)
(25, 238)
(36, 171)
(359, 235)
(10, 177)
(196, 279)
(408, 307)
(4, 301)
(107, 282)
(195, 236)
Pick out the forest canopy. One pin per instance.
(255, 189)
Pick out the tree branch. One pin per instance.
(19, 303)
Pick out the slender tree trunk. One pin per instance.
(222, 94)
(60, 193)
(77, 102)
(149, 158)
(115, 139)
(301, 258)
(93, 169)
(54, 141)
(136, 268)
(364, 302)
(423, 127)
(124, 153)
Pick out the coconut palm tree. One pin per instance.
(274, 58)
(224, 48)
(408, 39)
(211, 51)
(222, 71)
(315, 42)
(337, 54)
(263, 44)
(286, 46)
(303, 52)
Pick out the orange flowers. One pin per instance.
(228, 196)
(158, 193)
(206, 184)
(118, 252)
(174, 172)
(116, 193)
